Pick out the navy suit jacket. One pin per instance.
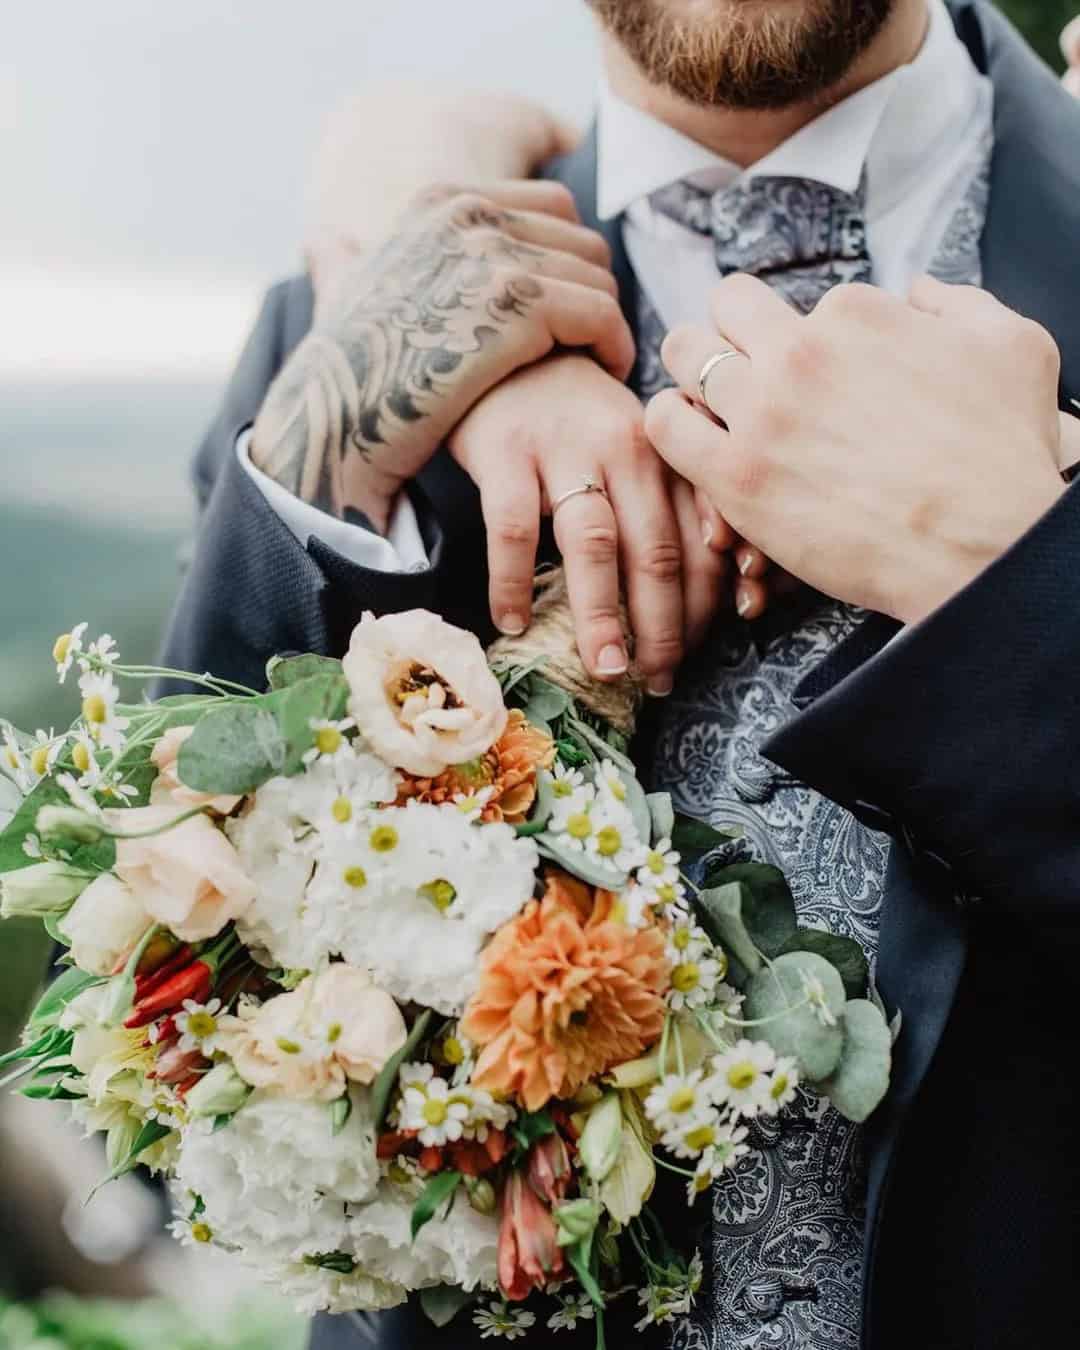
(962, 738)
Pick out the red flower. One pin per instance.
(549, 1169)
(529, 1254)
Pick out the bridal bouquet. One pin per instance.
(400, 977)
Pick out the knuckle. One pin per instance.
(747, 469)
(513, 532)
(1039, 345)
(560, 197)
(470, 210)
(660, 560)
(806, 357)
(676, 347)
(659, 651)
(598, 543)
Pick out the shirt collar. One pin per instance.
(887, 128)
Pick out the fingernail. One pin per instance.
(513, 625)
(745, 562)
(660, 686)
(742, 603)
(707, 532)
(612, 660)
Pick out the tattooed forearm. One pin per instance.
(397, 359)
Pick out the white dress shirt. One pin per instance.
(917, 132)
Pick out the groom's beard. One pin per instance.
(744, 53)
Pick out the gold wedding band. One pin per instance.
(707, 369)
(588, 484)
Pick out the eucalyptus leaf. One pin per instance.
(283, 671)
(578, 863)
(768, 909)
(321, 698)
(692, 837)
(720, 912)
(663, 814)
(234, 748)
(861, 1078)
(776, 996)
(384, 1084)
(842, 952)
(432, 1198)
(13, 857)
(546, 701)
(443, 1302)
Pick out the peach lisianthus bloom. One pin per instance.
(566, 992)
(508, 769)
(332, 1027)
(169, 790)
(421, 692)
(188, 877)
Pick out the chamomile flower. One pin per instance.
(782, 1086)
(610, 781)
(678, 1101)
(564, 782)
(499, 1319)
(15, 763)
(102, 652)
(435, 1111)
(661, 866)
(719, 1158)
(194, 1232)
(740, 1077)
(471, 804)
(694, 980)
(814, 991)
(572, 1310)
(66, 648)
(669, 897)
(634, 906)
(485, 1113)
(198, 1026)
(572, 817)
(688, 942)
(614, 841)
(330, 739)
(44, 752)
(665, 1302)
(99, 697)
(692, 1138)
(78, 795)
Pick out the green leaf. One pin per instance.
(221, 1121)
(842, 952)
(861, 1079)
(443, 1302)
(52, 1041)
(434, 1195)
(530, 1127)
(282, 671)
(384, 1084)
(662, 813)
(720, 912)
(691, 837)
(340, 1111)
(580, 1258)
(12, 855)
(63, 990)
(578, 863)
(51, 924)
(234, 748)
(774, 995)
(339, 1262)
(768, 910)
(149, 1135)
(546, 702)
(51, 1092)
(320, 698)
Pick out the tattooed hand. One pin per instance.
(471, 289)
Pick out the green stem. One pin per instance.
(671, 1167)
(160, 829)
(664, 1036)
(679, 1057)
(164, 672)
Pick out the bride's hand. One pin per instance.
(380, 148)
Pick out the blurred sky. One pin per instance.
(154, 154)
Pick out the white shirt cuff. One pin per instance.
(400, 550)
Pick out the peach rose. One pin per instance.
(169, 790)
(333, 1028)
(421, 692)
(187, 877)
(104, 925)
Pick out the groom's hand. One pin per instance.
(884, 452)
(471, 288)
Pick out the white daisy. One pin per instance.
(99, 698)
(718, 1159)
(330, 739)
(564, 782)
(782, 1086)
(572, 1310)
(45, 751)
(815, 996)
(435, 1111)
(499, 1319)
(661, 866)
(15, 763)
(614, 841)
(739, 1078)
(572, 817)
(678, 1101)
(471, 804)
(198, 1026)
(694, 981)
(66, 648)
(610, 781)
(102, 652)
(688, 942)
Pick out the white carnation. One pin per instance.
(460, 1248)
(312, 1289)
(276, 1179)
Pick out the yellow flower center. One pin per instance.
(617, 789)
(61, 647)
(608, 841)
(383, 839)
(355, 877)
(561, 788)
(779, 1086)
(680, 939)
(579, 826)
(453, 1051)
(333, 1032)
(655, 862)
(702, 1182)
(700, 1138)
(80, 757)
(720, 957)
(434, 1111)
(287, 1047)
(440, 893)
(665, 893)
(328, 740)
(618, 912)
(686, 977)
(682, 1099)
(39, 759)
(399, 1174)
(341, 810)
(741, 1076)
(94, 708)
(201, 1232)
(202, 1024)
(11, 757)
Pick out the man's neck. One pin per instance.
(744, 136)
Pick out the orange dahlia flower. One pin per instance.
(510, 767)
(566, 992)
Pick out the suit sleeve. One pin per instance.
(253, 589)
(962, 736)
